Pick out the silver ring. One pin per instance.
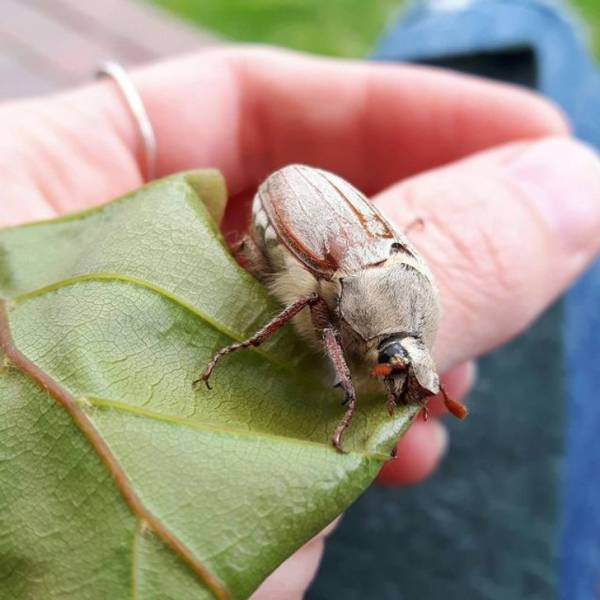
(132, 98)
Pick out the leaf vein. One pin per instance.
(107, 276)
(144, 412)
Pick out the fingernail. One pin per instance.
(561, 178)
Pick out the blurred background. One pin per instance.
(512, 512)
(47, 44)
(336, 27)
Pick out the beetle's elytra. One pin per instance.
(318, 243)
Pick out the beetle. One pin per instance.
(318, 243)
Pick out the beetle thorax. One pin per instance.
(393, 299)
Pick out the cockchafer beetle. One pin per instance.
(317, 242)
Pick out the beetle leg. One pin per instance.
(392, 398)
(396, 391)
(258, 338)
(343, 425)
(247, 252)
(346, 399)
(391, 404)
(336, 355)
(417, 398)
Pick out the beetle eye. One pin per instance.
(387, 353)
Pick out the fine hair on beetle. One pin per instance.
(353, 284)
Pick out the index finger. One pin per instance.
(253, 110)
(248, 111)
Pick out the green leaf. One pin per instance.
(117, 479)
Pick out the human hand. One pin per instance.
(250, 111)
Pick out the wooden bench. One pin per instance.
(46, 45)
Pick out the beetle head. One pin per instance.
(391, 357)
(401, 356)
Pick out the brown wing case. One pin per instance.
(326, 222)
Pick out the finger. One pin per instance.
(370, 123)
(505, 232)
(248, 111)
(291, 579)
(417, 453)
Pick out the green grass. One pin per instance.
(334, 27)
(589, 11)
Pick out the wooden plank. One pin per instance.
(114, 46)
(135, 24)
(20, 79)
(47, 44)
(63, 51)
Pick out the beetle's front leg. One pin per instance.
(248, 253)
(258, 338)
(342, 372)
(319, 313)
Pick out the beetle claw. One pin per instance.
(336, 443)
(391, 405)
(204, 377)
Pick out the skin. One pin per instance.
(489, 168)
